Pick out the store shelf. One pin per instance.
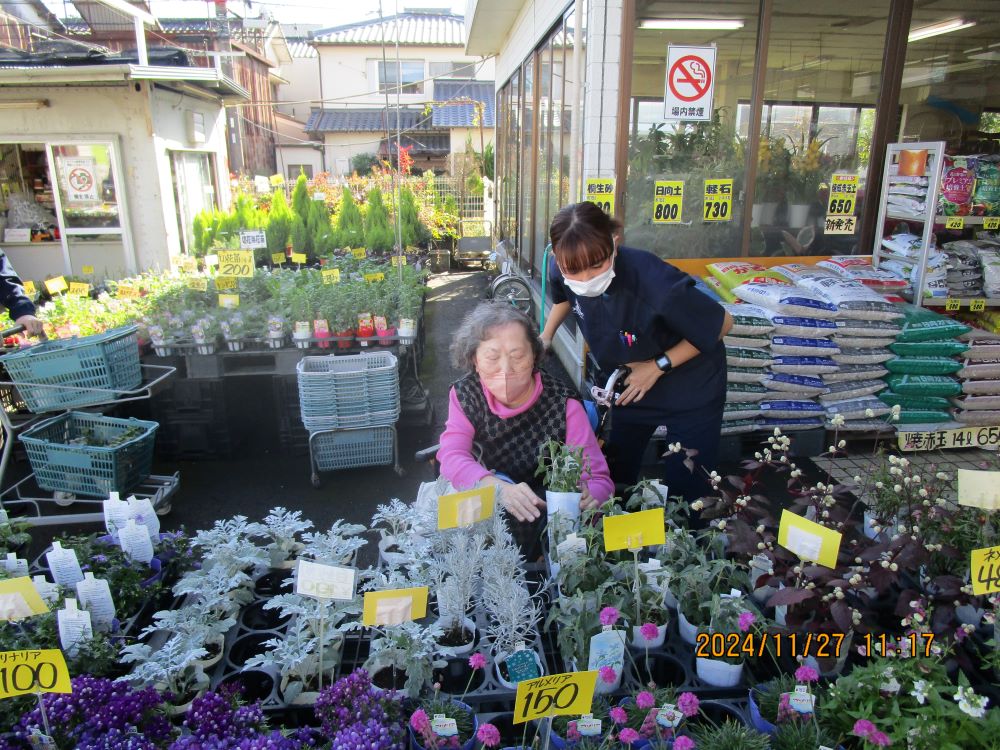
(963, 302)
(970, 221)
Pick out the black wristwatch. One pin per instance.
(664, 363)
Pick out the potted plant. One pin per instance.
(300, 309)
(799, 734)
(276, 324)
(458, 572)
(728, 735)
(562, 468)
(514, 614)
(339, 311)
(172, 668)
(234, 327)
(443, 723)
(393, 522)
(204, 332)
(281, 528)
(14, 536)
(410, 298)
(728, 616)
(338, 545)
(696, 588)
(402, 657)
(351, 708)
(195, 624)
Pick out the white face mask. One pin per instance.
(596, 286)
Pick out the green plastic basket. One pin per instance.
(61, 461)
(49, 374)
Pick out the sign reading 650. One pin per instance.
(236, 263)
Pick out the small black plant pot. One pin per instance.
(255, 617)
(248, 646)
(272, 584)
(455, 676)
(257, 685)
(716, 713)
(389, 679)
(663, 670)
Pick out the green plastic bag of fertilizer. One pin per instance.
(891, 398)
(923, 365)
(920, 324)
(922, 416)
(929, 348)
(924, 385)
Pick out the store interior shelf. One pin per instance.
(969, 221)
(963, 302)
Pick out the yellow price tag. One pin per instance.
(331, 275)
(991, 223)
(33, 671)
(634, 530)
(299, 258)
(810, 541)
(395, 606)
(56, 285)
(955, 222)
(87, 270)
(360, 253)
(278, 258)
(567, 694)
(979, 489)
(225, 282)
(198, 283)
(843, 195)
(718, 200)
(466, 508)
(977, 305)
(398, 260)
(29, 288)
(985, 565)
(19, 599)
(668, 201)
(951, 304)
(79, 289)
(127, 291)
(236, 263)
(374, 277)
(229, 300)
(601, 190)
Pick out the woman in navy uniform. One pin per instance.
(635, 310)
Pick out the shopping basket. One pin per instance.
(67, 373)
(352, 449)
(63, 461)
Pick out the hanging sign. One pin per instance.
(601, 190)
(718, 200)
(465, 508)
(567, 694)
(690, 83)
(963, 437)
(253, 239)
(668, 201)
(809, 540)
(33, 671)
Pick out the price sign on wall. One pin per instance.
(668, 201)
(991, 223)
(601, 190)
(718, 200)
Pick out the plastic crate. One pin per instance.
(61, 465)
(360, 390)
(48, 373)
(351, 449)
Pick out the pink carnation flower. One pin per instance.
(806, 674)
(688, 704)
(477, 661)
(572, 734)
(746, 620)
(488, 734)
(609, 616)
(628, 736)
(645, 700)
(608, 675)
(649, 631)
(419, 721)
(618, 715)
(683, 743)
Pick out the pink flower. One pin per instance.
(683, 743)
(608, 675)
(628, 736)
(863, 728)
(488, 734)
(609, 616)
(419, 721)
(879, 739)
(806, 674)
(645, 700)
(688, 704)
(571, 732)
(746, 620)
(618, 715)
(649, 631)
(477, 661)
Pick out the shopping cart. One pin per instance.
(76, 456)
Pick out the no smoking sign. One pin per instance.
(690, 83)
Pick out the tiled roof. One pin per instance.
(78, 26)
(301, 49)
(413, 28)
(434, 144)
(365, 120)
(462, 115)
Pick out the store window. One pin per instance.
(407, 75)
(87, 189)
(294, 170)
(28, 203)
(195, 191)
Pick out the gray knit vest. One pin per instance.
(511, 445)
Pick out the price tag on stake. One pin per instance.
(631, 530)
(253, 239)
(278, 258)
(588, 726)
(63, 565)
(324, 581)
(225, 282)
(985, 565)
(466, 508)
(299, 258)
(19, 598)
(397, 260)
(78, 289)
(198, 283)
(567, 694)
(74, 627)
(977, 305)
(127, 291)
(394, 606)
(371, 277)
(360, 253)
(87, 270)
(33, 671)
(56, 285)
(331, 275)
(991, 223)
(29, 288)
(955, 222)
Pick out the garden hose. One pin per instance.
(545, 278)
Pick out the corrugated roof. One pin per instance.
(79, 26)
(427, 144)
(462, 115)
(301, 49)
(365, 120)
(413, 28)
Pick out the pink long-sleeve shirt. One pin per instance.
(460, 468)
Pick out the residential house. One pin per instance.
(296, 150)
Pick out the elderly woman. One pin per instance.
(510, 408)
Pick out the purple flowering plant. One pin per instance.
(355, 716)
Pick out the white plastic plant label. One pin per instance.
(74, 627)
(95, 597)
(588, 726)
(135, 541)
(140, 509)
(802, 700)
(324, 581)
(607, 649)
(15, 567)
(571, 546)
(46, 589)
(395, 610)
(443, 726)
(668, 716)
(804, 544)
(64, 566)
(115, 514)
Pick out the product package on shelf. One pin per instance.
(859, 268)
(986, 195)
(979, 400)
(958, 181)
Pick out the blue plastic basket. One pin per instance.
(48, 374)
(350, 449)
(360, 390)
(62, 462)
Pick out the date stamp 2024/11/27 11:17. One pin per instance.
(796, 645)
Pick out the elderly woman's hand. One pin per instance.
(520, 501)
(587, 501)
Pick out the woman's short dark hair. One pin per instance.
(477, 325)
(582, 236)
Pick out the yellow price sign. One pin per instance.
(668, 201)
(395, 606)
(19, 599)
(985, 565)
(299, 258)
(127, 291)
(991, 223)
(843, 195)
(331, 275)
(229, 300)
(360, 253)
(33, 671)
(79, 289)
(466, 508)
(397, 260)
(601, 190)
(809, 540)
(374, 277)
(566, 694)
(955, 222)
(977, 305)
(87, 270)
(951, 304)
(198, 283)
(56, 285)
(278, 258)
(29, 288)
(225, 282)
(236, 263)
(718, 200)
(633, 530)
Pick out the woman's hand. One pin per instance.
(587, 501)
(643, 377)
(520, 501)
